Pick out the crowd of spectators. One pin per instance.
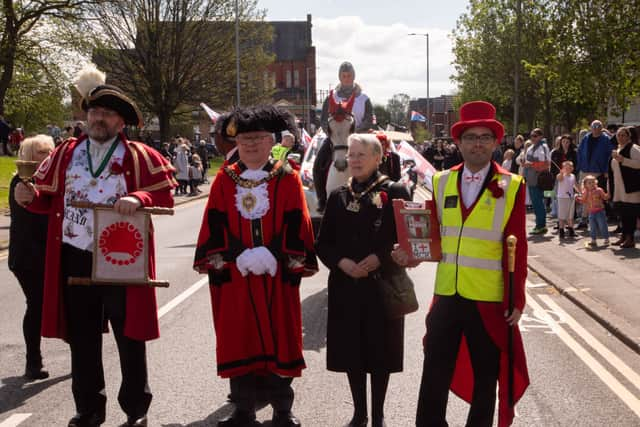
(595, 155)
(441, 153)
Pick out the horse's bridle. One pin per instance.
(340, 164)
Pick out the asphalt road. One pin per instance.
(581, 375)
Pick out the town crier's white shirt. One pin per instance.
(109, 186)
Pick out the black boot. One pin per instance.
(136, 422)
(284, 419)
(239, 419)
(561, 232)
(35, 372)
(87, 420)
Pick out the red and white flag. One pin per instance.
(423, 167)
(212, 114)
(306, 138)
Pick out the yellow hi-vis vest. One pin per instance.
(471, 264)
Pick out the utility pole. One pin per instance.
(516, 74)
(307, 118)
(426, 36)
(237, 56)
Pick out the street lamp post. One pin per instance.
(426, 36)
(308, 103)
(308, 96)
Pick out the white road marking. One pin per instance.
(610, 381)
(613, 360)
(14, 420)
(536, 285)
(181, 297)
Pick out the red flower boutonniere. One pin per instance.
(379, 199)
(497, 188)
(115, 169)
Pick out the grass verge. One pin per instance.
(7, 169)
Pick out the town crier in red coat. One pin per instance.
(472, 341)
(256, 244)
(100, 167)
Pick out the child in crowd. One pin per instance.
(508, 159)
(195, 175)
(566, 185)
(593, 198)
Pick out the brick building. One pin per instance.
(293, 73)
(442, 114)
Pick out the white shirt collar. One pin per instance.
(482, 173)
(104, 144)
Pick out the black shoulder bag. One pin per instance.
(396, 287)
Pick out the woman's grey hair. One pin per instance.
(369, 140)
(27, 146)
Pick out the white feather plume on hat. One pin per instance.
(89, 78)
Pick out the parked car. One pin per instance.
(306, 168)
(306, 174)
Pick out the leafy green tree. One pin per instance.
(382, 115)
(35, 99)
(571, 58)
(32, 33)
(421, 134)
(398, 108)
(172, 54)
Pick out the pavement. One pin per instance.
(603, 281)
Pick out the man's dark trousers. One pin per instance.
(450, 318)
(279, 392)
(87, 309)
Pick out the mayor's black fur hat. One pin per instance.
(259, 118)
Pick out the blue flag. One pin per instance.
(417, 117)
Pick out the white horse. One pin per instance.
(341, 125)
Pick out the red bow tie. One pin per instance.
(472, 178)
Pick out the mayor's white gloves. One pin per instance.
(257, 261)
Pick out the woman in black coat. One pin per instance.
(355, 241)
(27, 244)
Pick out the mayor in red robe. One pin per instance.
(256, 244)
(128, 175)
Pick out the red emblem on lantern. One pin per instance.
(121, 243)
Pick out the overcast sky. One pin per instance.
(373, 36)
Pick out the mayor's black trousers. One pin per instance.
(449, 319)
(88, 308)
(245, 389)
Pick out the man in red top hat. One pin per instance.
(466, 348)
(100, 167)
